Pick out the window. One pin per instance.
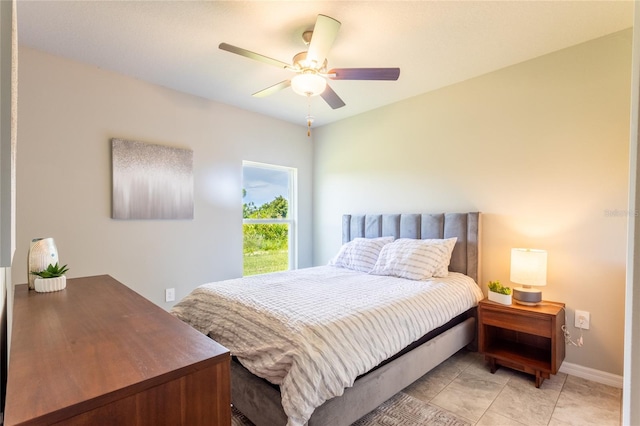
(268, 218)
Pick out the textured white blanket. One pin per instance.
(313, 331)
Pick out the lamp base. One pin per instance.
(527, 296)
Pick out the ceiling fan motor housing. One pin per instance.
(300, 63)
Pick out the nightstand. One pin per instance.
(525, 338)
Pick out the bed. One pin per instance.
(347, 338)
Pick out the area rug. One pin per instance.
(400, 410)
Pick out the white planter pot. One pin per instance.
(504, 299)
(46, 285)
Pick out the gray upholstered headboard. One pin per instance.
(464, 226)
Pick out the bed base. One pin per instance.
(261, 403)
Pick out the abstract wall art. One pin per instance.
(151, 181)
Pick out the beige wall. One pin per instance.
(68, 114)
(540, 148)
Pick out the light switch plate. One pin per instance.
(170, 295)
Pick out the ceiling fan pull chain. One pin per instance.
(309, 116)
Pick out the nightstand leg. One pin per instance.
(492, 365)
(539, 379)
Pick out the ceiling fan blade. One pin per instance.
(332, 98)
(324, 33)
(364, 73)
(252, 55)
(272, 89)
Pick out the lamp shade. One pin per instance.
(308, 84)
(529, 267)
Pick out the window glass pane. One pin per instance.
(268, 212)
(265, 193)
(266, 248)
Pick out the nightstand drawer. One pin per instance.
(539, 325)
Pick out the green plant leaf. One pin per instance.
(496, 287)
(52, 271)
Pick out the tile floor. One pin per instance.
(464, 386)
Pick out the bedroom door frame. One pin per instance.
(631, 378)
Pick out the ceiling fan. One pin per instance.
(311, 66)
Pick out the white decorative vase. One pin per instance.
(47, 285)
(504, 299)
(42, 253)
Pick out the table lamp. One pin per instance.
(529, 268)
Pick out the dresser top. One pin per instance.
(94, 342)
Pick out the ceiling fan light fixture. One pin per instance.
(310, 66)
(308, 84)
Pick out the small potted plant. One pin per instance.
(498, 293)
(51, 279)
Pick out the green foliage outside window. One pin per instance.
(265, 237)
(266, 245)
(276, 209)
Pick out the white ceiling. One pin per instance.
(435, 43)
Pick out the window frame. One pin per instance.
(292, 208)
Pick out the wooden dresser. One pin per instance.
(97, 353)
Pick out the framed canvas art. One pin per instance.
(151, 181)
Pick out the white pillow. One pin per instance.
(414, 259)
(442, 270)
(360, 254)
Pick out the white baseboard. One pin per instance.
(591, 374)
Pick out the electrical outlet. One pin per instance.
(169, 294)
(584, 317)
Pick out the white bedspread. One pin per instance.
(313, 331)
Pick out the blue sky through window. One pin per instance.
(264, 184)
